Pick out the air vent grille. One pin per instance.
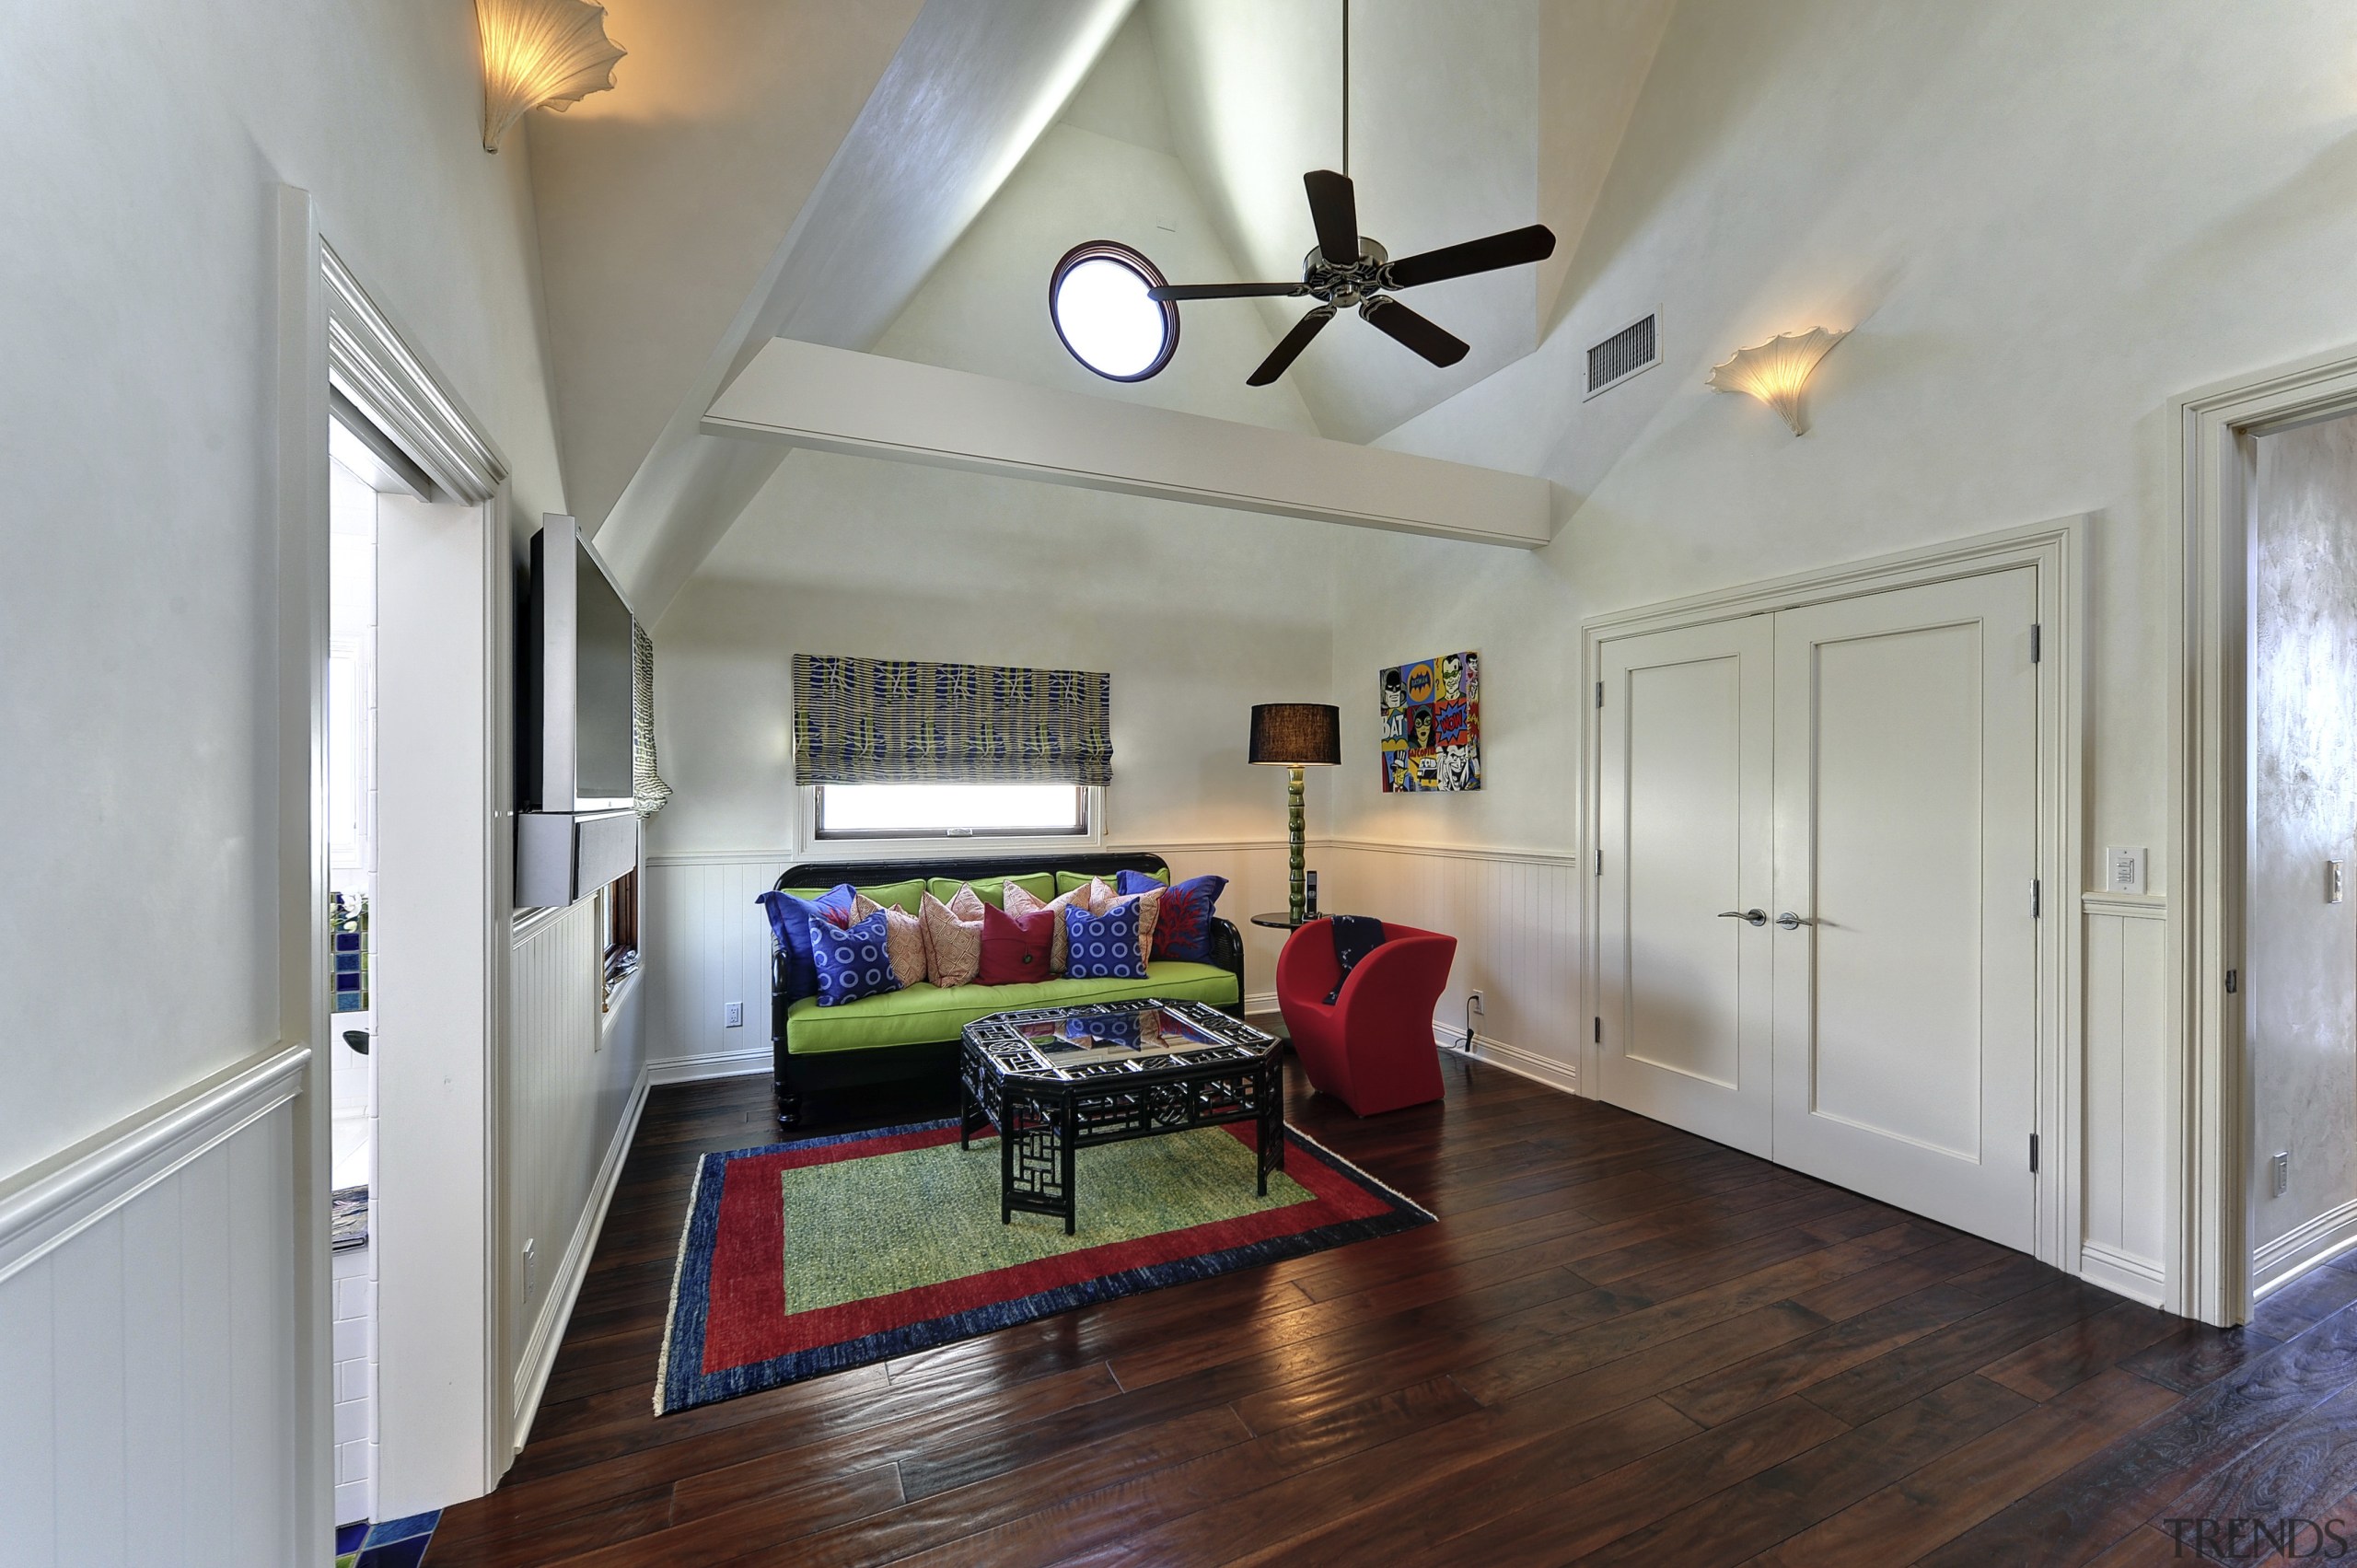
(1621, 355)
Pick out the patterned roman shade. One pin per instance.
(648, 792)
(893, 721)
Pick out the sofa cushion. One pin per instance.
(1106, 947)
(952, 938)
(991, 890)
(1067, 881)
(1015, 946)
(791, 914)
(853, 963)
(921, 1014)
(1183, 925)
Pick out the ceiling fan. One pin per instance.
(1347, 270)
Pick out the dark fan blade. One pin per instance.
(1389, 316)
(1334, 208)
(1282, 356)
(1221, 290)
(1516, 247)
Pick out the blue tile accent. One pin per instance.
(399, 1554)
(348, 1538)
(416, 1525)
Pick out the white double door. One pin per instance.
(1817, 940)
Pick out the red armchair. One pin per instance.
(1372, 1047)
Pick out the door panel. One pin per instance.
(1907, 831)
(1685, 826)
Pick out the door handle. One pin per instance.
(1792, 922)
(1750, 917)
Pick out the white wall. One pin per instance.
(139, 931)
(2042, 222)
(2302, 951)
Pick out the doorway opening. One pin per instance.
(2299, 979)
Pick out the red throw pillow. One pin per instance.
(1015, 946)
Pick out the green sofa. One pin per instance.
(914, 1033)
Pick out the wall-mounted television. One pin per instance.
(574, 715)
(575, 725)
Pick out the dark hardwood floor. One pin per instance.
(1620, 1344)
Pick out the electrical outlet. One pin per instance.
(1474, 1001)
(733, 1014)
(2279, 1169)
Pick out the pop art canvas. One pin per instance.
(1432, 725)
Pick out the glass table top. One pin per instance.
(1105, 1041)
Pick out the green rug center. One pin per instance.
(862, 1228)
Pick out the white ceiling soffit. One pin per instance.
(659, 205)
(972, 86)
(829, 400)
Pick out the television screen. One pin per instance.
(602, 655)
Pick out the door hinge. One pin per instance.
(2035, 629)
(1599, 693)
(2034, 904)
(2234, 981)
(1600, 1030)
(2032, 1154)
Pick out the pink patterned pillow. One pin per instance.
(1021, 901)
(952, 938)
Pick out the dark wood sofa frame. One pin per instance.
(828, 1072)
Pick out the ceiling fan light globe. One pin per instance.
(1099, 302)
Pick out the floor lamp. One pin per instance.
(1296, 736)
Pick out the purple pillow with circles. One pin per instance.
(853, 962)
(1104, 946)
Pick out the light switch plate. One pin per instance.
(2126, 869)
(2336, 881)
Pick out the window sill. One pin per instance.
(621, 993)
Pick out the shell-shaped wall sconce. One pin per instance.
(1778, 370)
(540, 52)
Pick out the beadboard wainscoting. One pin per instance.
(576, 1083)
(2125, 1201)
(708, 945)
(146, 1385)
(1514, 915)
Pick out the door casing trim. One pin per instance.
(2057, 551)
(2211, 479)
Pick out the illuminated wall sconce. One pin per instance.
(1778, 370)
(540, 52)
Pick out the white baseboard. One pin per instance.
(716, 1064)
(2123, 1273)
(1563, 1076)
(2302, 1247)
(564, 1285)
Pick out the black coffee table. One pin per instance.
(1057, 1080)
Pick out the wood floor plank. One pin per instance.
(1619, 1342)
(2106, 1496)
(1950, 1495)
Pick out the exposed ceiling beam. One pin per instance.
(972, 86)
(831, 399)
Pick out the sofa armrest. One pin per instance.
(1227, 952)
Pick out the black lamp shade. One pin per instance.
(1298, 734)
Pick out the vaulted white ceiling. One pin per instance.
(685, 219)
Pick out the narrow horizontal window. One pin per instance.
(951, 810)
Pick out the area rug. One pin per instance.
(811, 1257)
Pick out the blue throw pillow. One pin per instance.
(790, 920)
(1183, 929)
(854, 963)
(1103, 947)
